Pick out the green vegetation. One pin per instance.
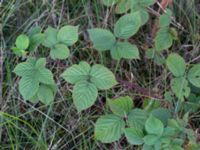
(105, 74)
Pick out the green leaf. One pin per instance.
(53, 87)
(123, 6)
(144, 15)
(180, 88)
(18, 51)
(102, 77)
(45, 94)
(34, 30)
(34, 99)
(22, 42)
(137, 118)
(77, 73)
(154, 126)
(109, 128)
(24, 69)
(36, 40)
(31, 60)
(162, 114)
(121, 106)
(109, 2)
(59, 51)
(164, 39)
(168, 131)
(40, 63)
(165, 19)
(42, 74)
(140, 4)
(68, 35)
(145, 3)
(28, 87)
(125, 50)
(147, 147)
(50, 37)
(134, 136)
(84, 95)
(33, 72)
(176, 64)
(127, 25)
(102, 39)
(45, 76)
(194, 75)
(151, 139)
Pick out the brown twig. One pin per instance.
(143, 91)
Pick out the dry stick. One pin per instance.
(139, 89)
(1, 70)
(157, 14)
(61, 13)
(2, 46)
(108, 12)
(175, 23)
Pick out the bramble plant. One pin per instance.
(88, 79)
(180, 84)
(36, 81)
(165, 35)
(21, 44)
(124, 28)
(154, 129)
(150, 126)
(138, 6)
(59, 40)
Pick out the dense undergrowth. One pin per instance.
(145, 98)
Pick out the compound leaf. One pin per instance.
(33, 72)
